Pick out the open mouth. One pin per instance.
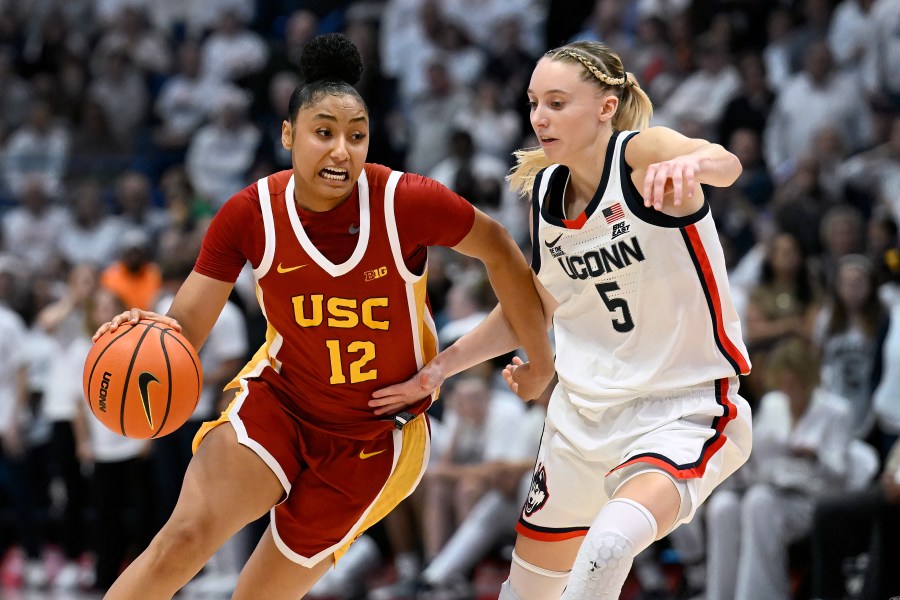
(334, 174)
(547, 140)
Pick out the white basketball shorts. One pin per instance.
(697, 436)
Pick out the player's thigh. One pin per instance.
(553, 556)
(271, 575)
(226, 486)
(657, 493)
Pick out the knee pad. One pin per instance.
(621, 530)
(530, 582)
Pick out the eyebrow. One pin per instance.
(553, 91)
(333, 118)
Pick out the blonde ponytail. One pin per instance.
(529, 161)
(635, 108)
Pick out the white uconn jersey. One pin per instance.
(644, 298)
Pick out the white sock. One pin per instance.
(622, 529)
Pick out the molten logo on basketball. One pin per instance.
(104, 389)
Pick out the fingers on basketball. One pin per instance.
(142, 381)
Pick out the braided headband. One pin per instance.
(611, 81)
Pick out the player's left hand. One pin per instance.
(524, 381)
(395, 398)
(677, 176)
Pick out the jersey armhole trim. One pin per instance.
(390, 221)
(265, 205)
(635, 201)
(537, 193)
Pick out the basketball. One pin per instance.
(142, 381)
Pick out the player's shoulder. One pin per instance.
(377, 174)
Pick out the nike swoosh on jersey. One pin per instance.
(282, 269)
(364, 455)
(553, 243)
(144, 380)
(354, 229)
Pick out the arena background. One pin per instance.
(125, 125)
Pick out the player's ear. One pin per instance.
(609, 103)
(287, 135)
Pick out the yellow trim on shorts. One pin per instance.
(402, 480)
(210, 425)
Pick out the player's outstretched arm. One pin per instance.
(520, 320)
(514, 285)
(193, 312)
(672, 166)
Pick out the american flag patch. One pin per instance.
(613, 213)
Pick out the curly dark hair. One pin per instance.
(330, 64)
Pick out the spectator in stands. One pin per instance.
(750, 107)
(186, 100)
(13, 472)
(777, 52)
(479, 425)
(31, 231)
(801, 440)
(841, 232)
(146, 48)
(15, 92)
(232, 51)
(849, 330)
(64, 323)
(135, 206)
(864, 521)
(494, 128)
(816, 97)
(784, 303)
(873, 176)
(134, 278)
(852, 36)
(188, 217)
(431, 119)
(504, 476)
(885, 80)
(120, 481)
(120, 89)
(101, 155)
(221, 153)
(701, 98)
(474, 175)
(92, 235)
(40, 147)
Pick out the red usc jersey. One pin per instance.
(339, 330)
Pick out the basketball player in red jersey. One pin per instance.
(339, 252)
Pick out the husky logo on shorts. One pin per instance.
(537, 493)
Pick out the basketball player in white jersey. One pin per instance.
(645, 421)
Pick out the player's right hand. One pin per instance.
(133, 317)
(395, 398)
(523, 381)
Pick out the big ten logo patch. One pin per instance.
(375, 273)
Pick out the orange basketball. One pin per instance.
(142, 381)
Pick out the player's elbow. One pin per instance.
(733, 167)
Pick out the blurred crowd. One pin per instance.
(125, 124)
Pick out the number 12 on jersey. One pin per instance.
(356, 373)
(626, 323)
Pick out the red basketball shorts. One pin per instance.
(334, 487)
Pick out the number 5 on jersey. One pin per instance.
(356, 367)
(626, 323)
